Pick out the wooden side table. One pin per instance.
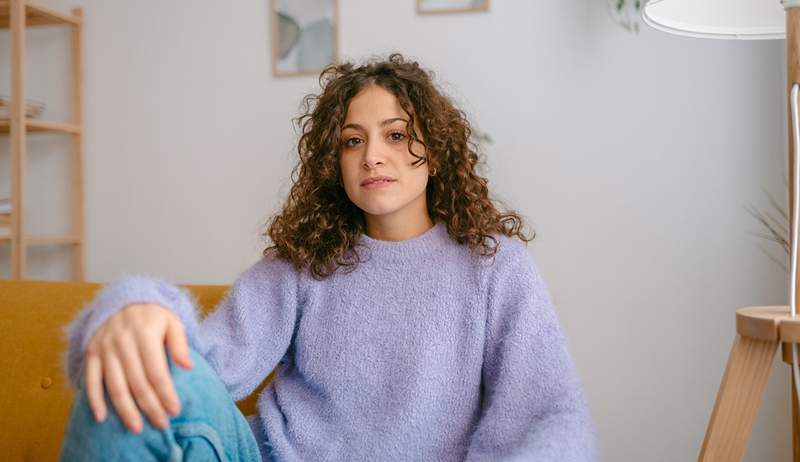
(759, 331)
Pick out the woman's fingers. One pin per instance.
(119, 392)
(93, 384)
(139, 384)
(127, 355)
(157, 371)
(177, 344)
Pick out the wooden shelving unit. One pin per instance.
(36, 125)
(18, 16)
(36, 15)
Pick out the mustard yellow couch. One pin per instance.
(35, 398)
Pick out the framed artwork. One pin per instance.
(451, 6)
(304, 36)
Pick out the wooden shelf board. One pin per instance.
(36, 125)
(5, 238)
(37, 15)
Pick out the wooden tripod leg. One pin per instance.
(739, 396)
(795, 422)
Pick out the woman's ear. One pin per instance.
(432, 169)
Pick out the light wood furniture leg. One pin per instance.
(77, 146)
(787, 358)
(18, 244)
(792, 75)
(739, 396)
(795, 426)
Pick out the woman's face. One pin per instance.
(376, 164)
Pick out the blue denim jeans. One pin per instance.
(209, 428)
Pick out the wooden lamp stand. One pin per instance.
(761, 329)
(759, 332)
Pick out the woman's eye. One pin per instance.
(397, 136)
(350, 142)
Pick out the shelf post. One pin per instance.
(18, 129)
(77, 146)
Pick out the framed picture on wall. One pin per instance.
(304, 36)
(451, 6)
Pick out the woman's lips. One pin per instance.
(378, 184)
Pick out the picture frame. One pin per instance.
(426, 7)
(305, 36)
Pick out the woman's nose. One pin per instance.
(373, 155)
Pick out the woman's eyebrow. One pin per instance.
(383, 124)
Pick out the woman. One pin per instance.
(408, 322)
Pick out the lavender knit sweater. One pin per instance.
(424, 352)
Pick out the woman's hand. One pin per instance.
(127, 354)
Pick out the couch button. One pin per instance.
(46, 382)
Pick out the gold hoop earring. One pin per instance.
(434, 172)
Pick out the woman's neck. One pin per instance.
(397, 228)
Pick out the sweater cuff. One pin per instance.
(113, 298)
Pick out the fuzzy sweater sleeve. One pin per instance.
(243, 338)
(533, 407)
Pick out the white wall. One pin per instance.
(633, 157)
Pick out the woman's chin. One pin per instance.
(378, 210)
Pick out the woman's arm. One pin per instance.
(243, 338)
(533, 404)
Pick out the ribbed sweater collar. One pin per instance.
(410, 249)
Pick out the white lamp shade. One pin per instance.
(725, 19)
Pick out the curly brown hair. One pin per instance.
(319, 227)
